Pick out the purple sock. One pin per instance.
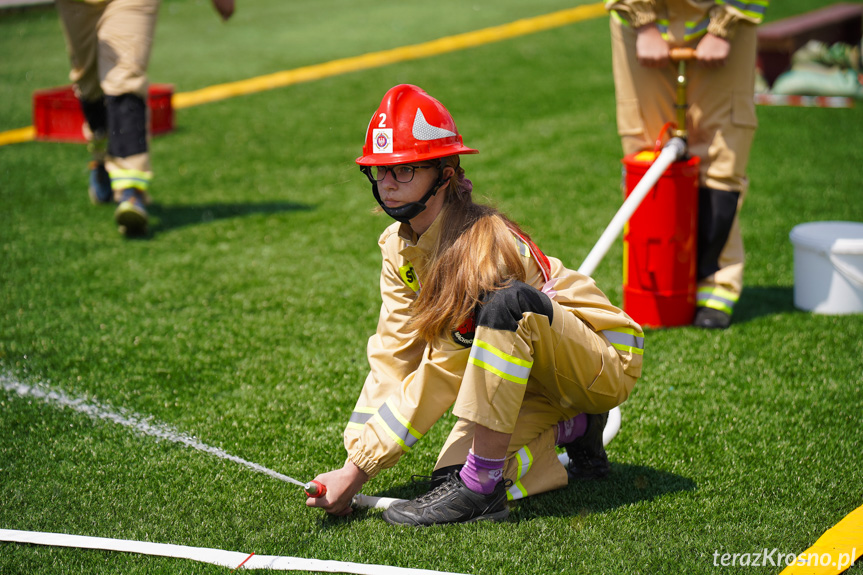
(571, 429)
(480, 474)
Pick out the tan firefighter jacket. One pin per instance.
(412, 384)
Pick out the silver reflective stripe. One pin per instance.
(482, 355)
(397, 430)
(627, 340)
(714, 297)
(360, 418)
(700, 28)
(525, 460)
(753, 7)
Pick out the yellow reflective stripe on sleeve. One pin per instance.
(716, 298)
(619, 18)
(696, 29)
(625, 339)
(753, 8)
(397, 426)
(493, 360)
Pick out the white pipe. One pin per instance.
(231, 559)
(611, 428)
(371, 502)
(673, 150)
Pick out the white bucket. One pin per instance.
(828, 267)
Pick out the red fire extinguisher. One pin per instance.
(660, 242)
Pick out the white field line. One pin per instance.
(142, 424)
(161, 431)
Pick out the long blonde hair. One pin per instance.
(475, 254)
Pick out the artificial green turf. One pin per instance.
(243, 319)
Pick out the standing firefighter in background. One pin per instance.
(721, 117)
(109, 44)
(530, 353)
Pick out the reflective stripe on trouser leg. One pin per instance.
(572, 369)
(544, 472)
(716, 298)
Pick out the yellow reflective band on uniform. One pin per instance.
(525, 461)
(124, 179)
(493, 360)
(625, 339)
(753, 8)
(397, 426)
(695, 29)
(409, 276)
(360, 416)
(716, 298)
(524, 458)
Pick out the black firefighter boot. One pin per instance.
(587, 457)
(716, 211)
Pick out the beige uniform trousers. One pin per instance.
(109, 44)
(721, 122)
(572, 369)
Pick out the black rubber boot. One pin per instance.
(587, 457)
(709, 318)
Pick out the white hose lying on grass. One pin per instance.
(231, 559)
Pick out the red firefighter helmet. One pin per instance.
(410, 126)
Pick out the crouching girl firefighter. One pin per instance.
(529, 353)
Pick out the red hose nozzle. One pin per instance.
(315, 489)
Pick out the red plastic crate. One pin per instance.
(57, 114)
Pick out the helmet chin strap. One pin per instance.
(410, 210)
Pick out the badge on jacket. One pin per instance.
(465, 333)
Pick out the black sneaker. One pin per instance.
(451, 502)
(587, 457)
(709, 318)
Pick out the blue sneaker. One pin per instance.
(131, 216)
(100, 184)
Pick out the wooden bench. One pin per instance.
(777, 41)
